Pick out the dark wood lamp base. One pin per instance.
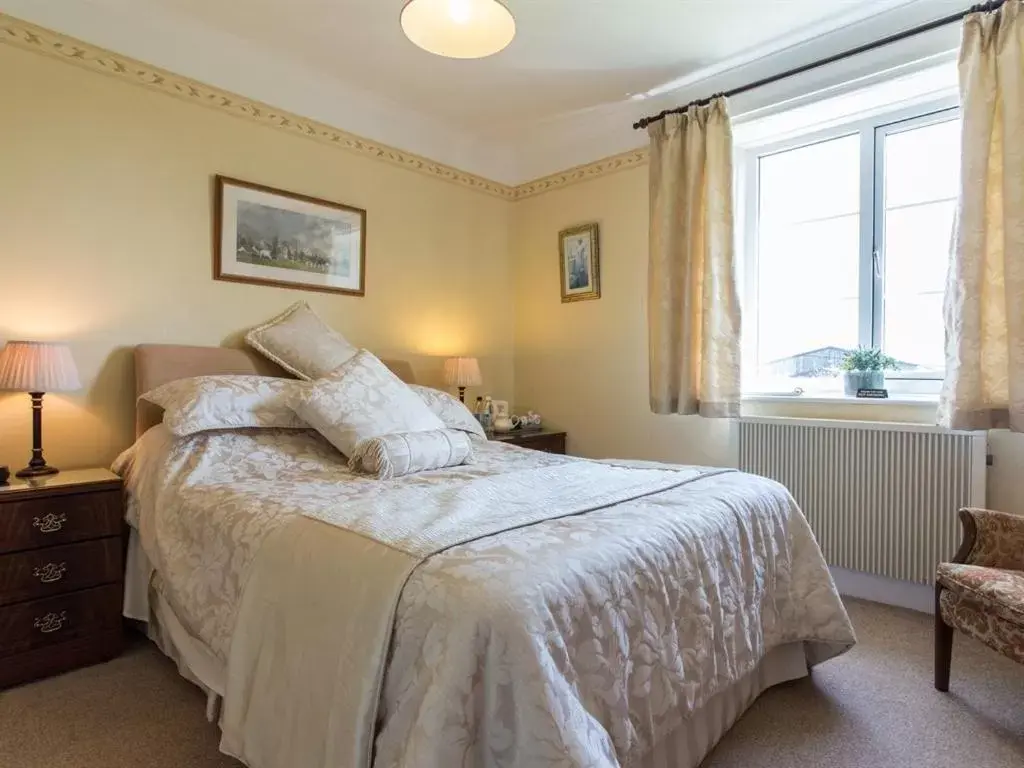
(37, 466)
(37, 471)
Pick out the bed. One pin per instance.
(541, 610)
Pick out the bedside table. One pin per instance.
(61, 573)
(547, 440)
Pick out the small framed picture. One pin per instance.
(271, 237)
(500, 408)
(580, 263)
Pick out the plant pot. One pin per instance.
(854, 380)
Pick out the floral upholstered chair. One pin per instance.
(981, 592)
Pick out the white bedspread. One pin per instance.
(425, 520)
(578, 641)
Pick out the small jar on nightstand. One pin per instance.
(61, 573)
(547, 440)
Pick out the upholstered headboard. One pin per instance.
(156, 364)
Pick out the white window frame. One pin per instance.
(872, 132)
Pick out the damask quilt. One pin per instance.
(575, 641)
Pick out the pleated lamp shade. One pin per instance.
(462, 372)
(38, 366)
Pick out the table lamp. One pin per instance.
(462, 372)
(37, 367)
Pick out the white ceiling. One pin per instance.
(347, 62)
(567, 54)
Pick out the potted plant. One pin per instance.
(864, 368)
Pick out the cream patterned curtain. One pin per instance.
(693, 309)
(984, 304)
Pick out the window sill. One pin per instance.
(904, 408)
(924, 401)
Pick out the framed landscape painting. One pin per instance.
(580, 263)
(271, 237)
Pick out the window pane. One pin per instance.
(807, 270)
(811, 182)
(917, 244)
(922, 164)
(922, 177)
(914, 332)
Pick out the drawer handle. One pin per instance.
(50, 572)
(51, 622)
(49, 523)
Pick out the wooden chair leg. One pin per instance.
(943, 646)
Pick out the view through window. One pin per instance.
(851, 249)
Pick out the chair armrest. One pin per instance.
(992, 539)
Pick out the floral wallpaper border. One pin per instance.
(30, 37)
(602, 167)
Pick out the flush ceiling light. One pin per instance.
(458, 29)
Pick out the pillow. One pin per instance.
(360, 400)
(448, 409)
(226, 402)
(402, 453)
(301, 343)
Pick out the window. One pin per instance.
(847, 243)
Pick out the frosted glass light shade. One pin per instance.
(462, 372)
(38, 366)
(459, 29)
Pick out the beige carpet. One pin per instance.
(873, 708)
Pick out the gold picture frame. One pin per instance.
(267, 236)
(579, 260)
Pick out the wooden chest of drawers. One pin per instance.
(61, 573)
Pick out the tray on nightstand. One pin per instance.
(547, 440)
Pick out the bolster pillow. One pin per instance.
(403, 453)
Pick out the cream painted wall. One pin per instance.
(106, 199)
(584, 365)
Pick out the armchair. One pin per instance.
(981, 592)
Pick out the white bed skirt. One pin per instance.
(691, 743)
(686, 747)
(196, 663)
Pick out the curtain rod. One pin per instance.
(951, 19)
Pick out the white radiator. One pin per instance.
(881, 498)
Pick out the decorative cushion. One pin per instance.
(974, 618)
(301, 343)
(402, 453)
(999, 591)
(360, 400)
(201, 403)
(448, 409)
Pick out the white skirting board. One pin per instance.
(881, 589)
